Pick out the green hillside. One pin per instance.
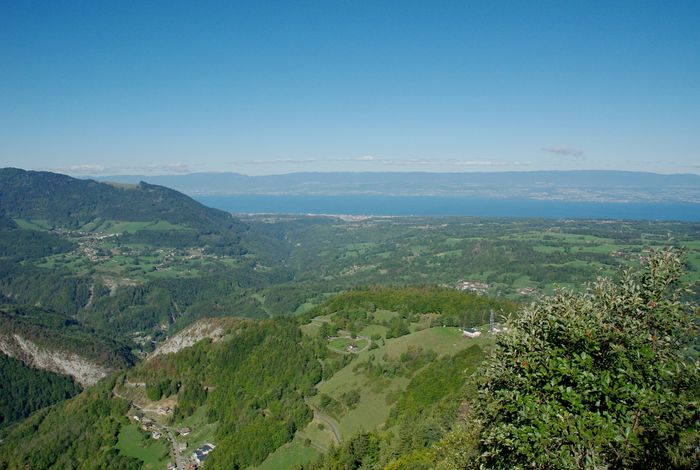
(404, 393)
(62, 201)
(24, 389)
(273, 384)
(80, 433)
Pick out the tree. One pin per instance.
(326, 330)
(596, 379)
(352, 398)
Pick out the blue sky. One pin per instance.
(273, 87)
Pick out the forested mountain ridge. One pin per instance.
(250, 386)
(79, 320)
(71, 202)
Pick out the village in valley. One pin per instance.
(150, 428)
(182, 457)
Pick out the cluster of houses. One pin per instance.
(89, 243)
(148, 425)
(198, 456)
(171, 256)
(476, 287)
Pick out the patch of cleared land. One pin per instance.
(133, 443)
(377, 393)
(342, 344)
(290, 455)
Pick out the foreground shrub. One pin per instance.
(595, 380)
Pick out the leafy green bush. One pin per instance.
(596, 379)
(351, 398)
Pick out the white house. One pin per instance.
(471, 332)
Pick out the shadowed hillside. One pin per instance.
(70, 202)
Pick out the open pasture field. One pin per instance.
(290, 455)
(377, 393)
(133, 443)
(342, 344)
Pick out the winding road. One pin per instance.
(321, 416)
(332, 423)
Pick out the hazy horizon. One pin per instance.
(106, 174)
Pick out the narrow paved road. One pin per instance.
(320, 416)
(179, 459)
(332, 423)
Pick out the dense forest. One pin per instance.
(79, 433)
(24, 390)
(258, 376)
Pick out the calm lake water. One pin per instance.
(449, 206)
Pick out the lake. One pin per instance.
(450, 206)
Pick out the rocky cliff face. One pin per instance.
(84, 371)
(214, 328)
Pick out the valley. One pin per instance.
(281, 341)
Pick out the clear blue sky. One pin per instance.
(89, 87)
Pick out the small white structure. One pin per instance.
(471, 332)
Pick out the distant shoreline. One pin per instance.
(437, 206)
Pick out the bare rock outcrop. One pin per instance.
(214, 328)
(84, 371)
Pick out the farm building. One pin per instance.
(471, 332)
